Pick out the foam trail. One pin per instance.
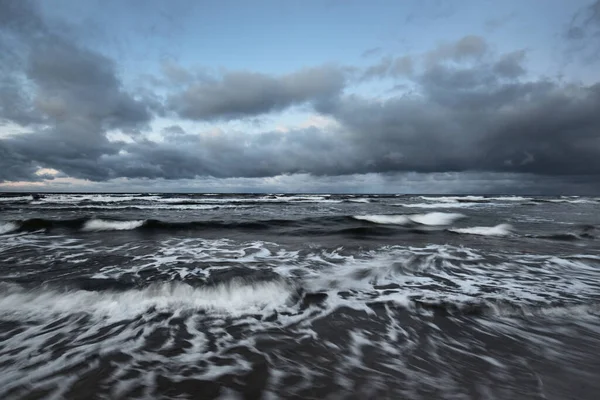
(498, 230)
(104, 225)
(6, 227)
(431, 219)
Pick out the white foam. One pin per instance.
(498, 230)
(6, 227)
(17, 198)
(236, 297)
(104, 225)
(452, 199)
(359, 200)
(436, 218)
(442, 205)
(572, 201)
(510, 198)
(77, 198)
(431, 219)
(385, 219)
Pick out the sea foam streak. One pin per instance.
(6, 227)
(431, 219)
(498, 230)
(105, 225)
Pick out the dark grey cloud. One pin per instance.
(470, 111)
(173, 130)
(468, 48)
(67, 95)
(539, 127)
(584, 22)
(240, 94)
(583, 33)
(389, 66)
(493, 24)
(510, 65)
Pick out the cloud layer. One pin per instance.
(466, 109)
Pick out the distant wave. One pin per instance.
(498, 230)
(441, 205)
(431, 219)
(455, 199)
(15, 198)
(358, 200)
(105, 225)
(569, 201)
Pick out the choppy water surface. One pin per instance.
(299, 296)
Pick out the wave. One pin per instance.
(6, 227)
(506, 309)
(358, 200)
(234, 297)
(192, 206)
(510, 198)
(498, 230)
(151, 225)
(106, 225)
(385, 219)
(86, 199)
(455, 199)
(430, 219)
(566, 200)
(441, 205)
(15, 198)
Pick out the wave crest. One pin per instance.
(431, 219)
(6, 227)
(498, 230)
(106, 225)
(234, 297)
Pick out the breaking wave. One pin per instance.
(430, 219)
(234, 297)
(105, 225)
(6, 227)
(498, 230)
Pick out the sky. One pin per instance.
(470, 96)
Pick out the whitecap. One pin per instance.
(359, 200)
(385, 219)
(436, 218)
(498, 230)
(6, 227)
(453, 199)
(106, 225)
(235, 297)
(431, 219)
(15, 198)
(442, 205)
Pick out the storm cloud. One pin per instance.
(468, 109)
(239, 94)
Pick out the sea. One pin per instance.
(299, 296)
